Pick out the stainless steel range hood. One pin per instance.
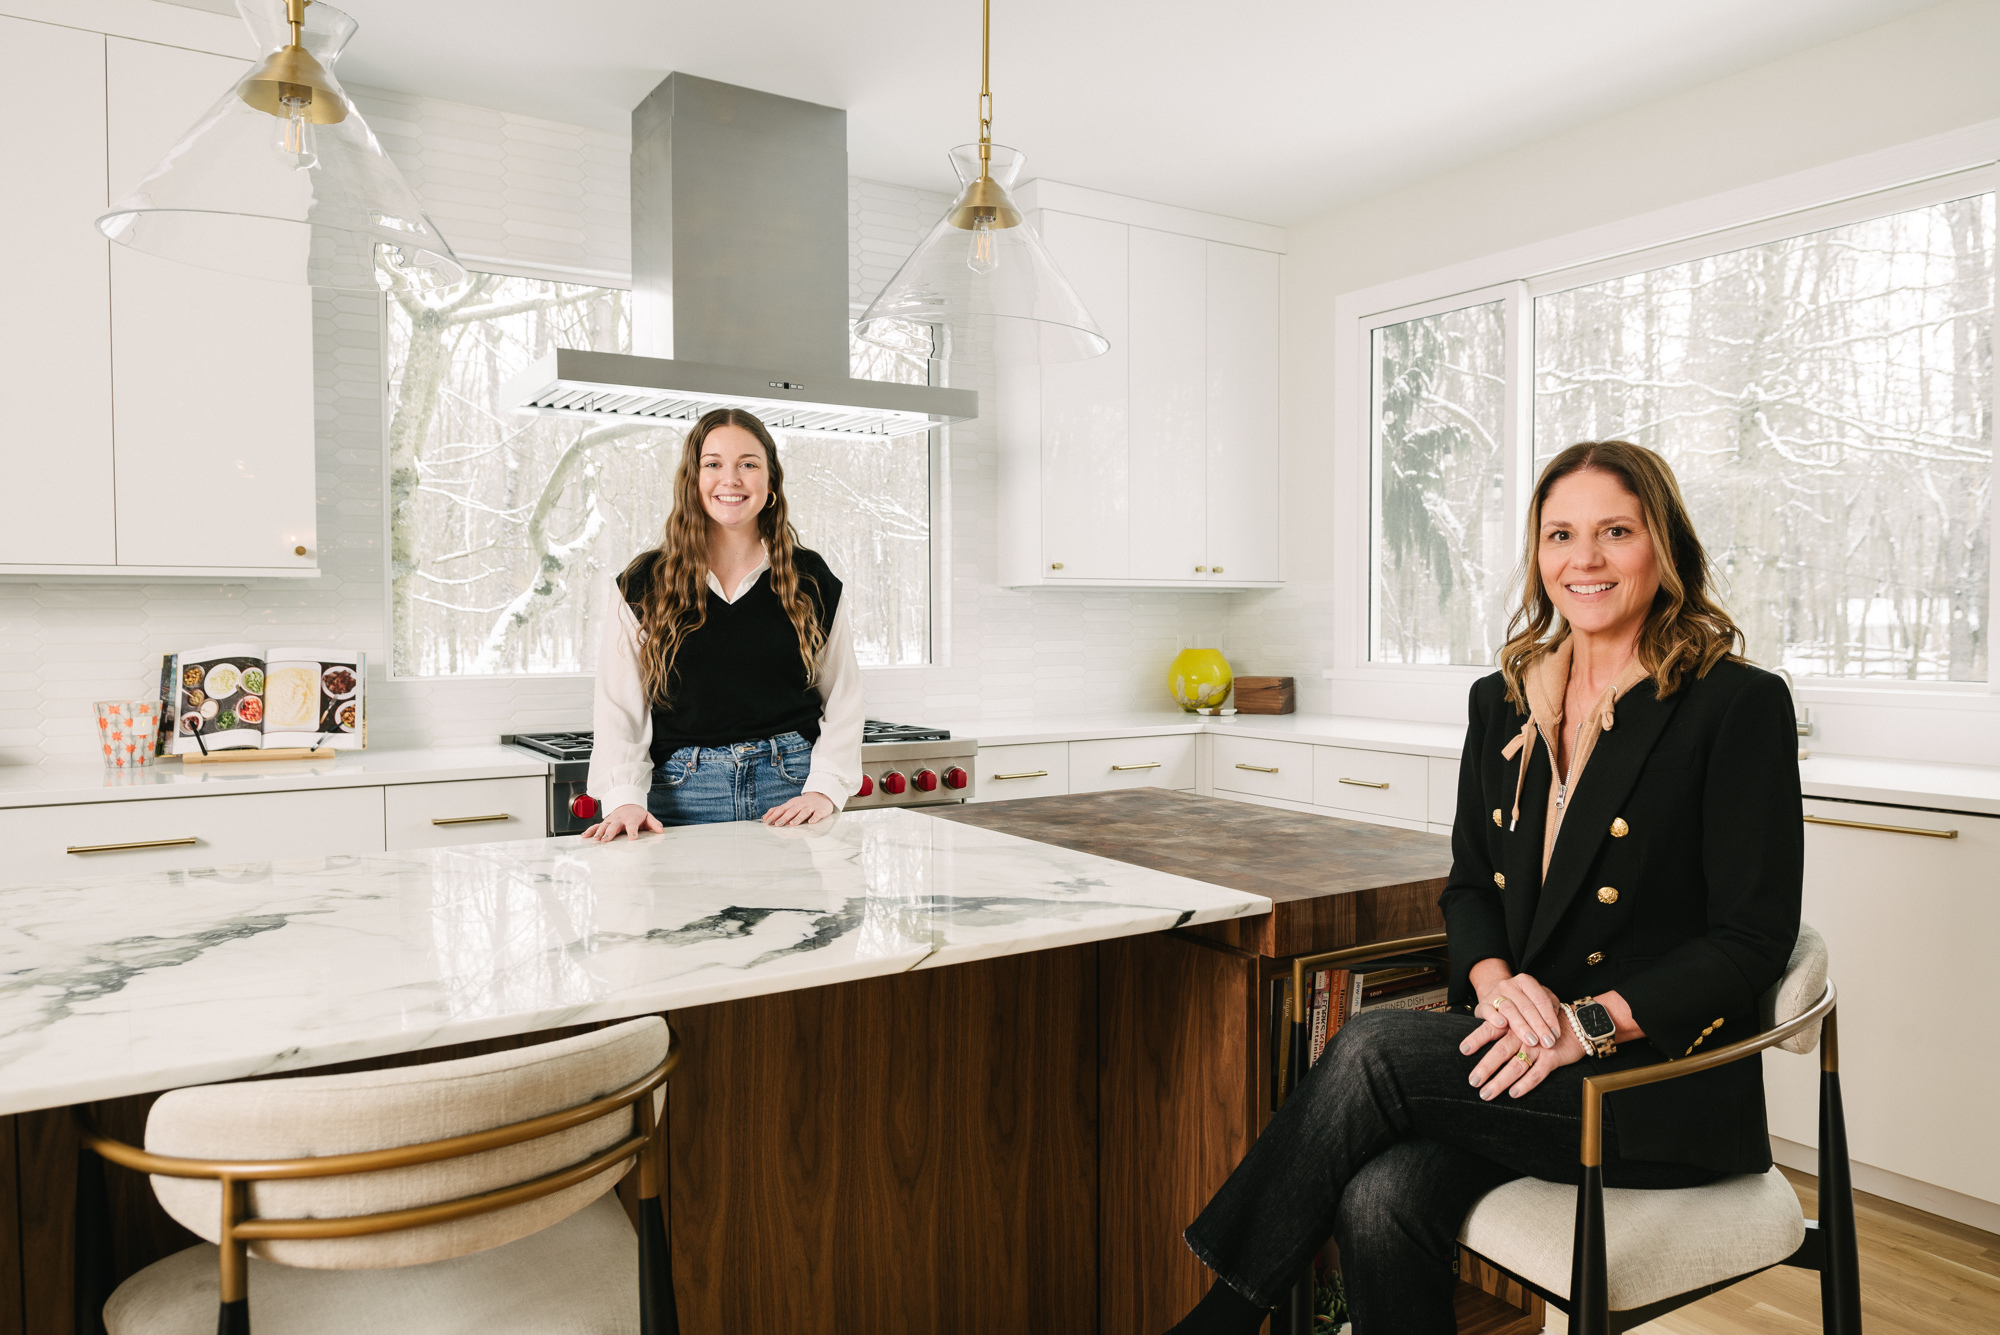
(739, 277)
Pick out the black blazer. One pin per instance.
(1675, 882)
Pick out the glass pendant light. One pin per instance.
(983, 259)
(283, 180)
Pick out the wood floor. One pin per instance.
(1920, 1275)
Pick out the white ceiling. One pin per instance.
(1272, 111)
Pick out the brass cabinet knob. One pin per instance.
(298, 551)
(1218, 570)
(1201, 570)
(1055, 565)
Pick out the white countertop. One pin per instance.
(128, 983)
(90, 781)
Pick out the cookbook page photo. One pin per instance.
(218, 694)
(312, 697)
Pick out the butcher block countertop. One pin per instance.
(1333, 883)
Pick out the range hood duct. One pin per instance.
(739, 278)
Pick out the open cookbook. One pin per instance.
(231, 696)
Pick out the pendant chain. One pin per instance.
(985, 87)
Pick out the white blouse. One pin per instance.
(621, 759)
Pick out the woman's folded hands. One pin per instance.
(1524, 1031)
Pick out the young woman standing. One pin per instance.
(726, 682)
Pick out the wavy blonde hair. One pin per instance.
(1687, 630)
(675, 602)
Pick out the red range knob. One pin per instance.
(893, 782)
(583, 806)
(927, 780)
(956, 777)
(867, 786)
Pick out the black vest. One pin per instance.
(738, 676)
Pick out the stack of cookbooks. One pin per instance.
(232, 697)
(1334, 996)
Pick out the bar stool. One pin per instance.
(471, 1195)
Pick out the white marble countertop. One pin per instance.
(89, 781)
(123, 984)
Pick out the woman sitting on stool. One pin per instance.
(726, 682)
(1625, 882)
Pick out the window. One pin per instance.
(503, 525)
(1825, 398)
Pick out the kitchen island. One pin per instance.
(126, 985)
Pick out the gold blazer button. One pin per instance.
(1499, 880)
(1595, 957)
(1607, 894)
(1619, 829)
(1496, 815)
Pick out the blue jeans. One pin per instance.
(741, 781)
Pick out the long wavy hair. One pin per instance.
(1687, 630)
(675, 602)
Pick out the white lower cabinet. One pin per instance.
(1383, 784)
(1264, 768)
(118, 838)
(1033, 769)
(1442, 775)
(471, 811)
(1132, 762)
(1909, 922)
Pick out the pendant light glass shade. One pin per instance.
(983, 260)
(283, 180)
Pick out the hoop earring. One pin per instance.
(770, 500)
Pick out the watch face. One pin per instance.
(1596, 1020)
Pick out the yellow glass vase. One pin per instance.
(1200, 679)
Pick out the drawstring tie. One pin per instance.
(1524, 747)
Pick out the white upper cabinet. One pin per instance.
(170, 412)
(54, 336)
(212, 390)
(1156, 464)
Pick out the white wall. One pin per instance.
(1924, 75)
(541, 197)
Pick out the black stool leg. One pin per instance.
(1840, 1270)
(656, 1273)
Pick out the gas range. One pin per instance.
(902, 765)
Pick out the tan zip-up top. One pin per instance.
(1547, 682)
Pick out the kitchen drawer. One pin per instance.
(224, 831)
(1444, 790)
(1268, 769)
(1131, 762)
(1376, 783)
(475, 811)
(1037, 769)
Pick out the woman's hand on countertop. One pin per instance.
(805, 809)
(629, 819)
(1512, 1002)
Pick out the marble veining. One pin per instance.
(126, 983)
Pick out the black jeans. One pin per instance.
(1385, 1147)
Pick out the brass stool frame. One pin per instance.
(239, 1228)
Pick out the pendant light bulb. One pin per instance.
(293, 140)
(982, 256)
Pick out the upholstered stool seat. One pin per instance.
(578, 1277)
(1657, 1244)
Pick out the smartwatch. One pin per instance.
(1593, 1025)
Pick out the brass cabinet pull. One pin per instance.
(1261, 769)
(1055, 565)
(1201, 570)
(1025, 774)
(1218, 570)
(140, 843)
(468, 820)
(1365, 783)
(1886, 829)
(1151, 764)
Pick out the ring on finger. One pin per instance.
(1521, 1056)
